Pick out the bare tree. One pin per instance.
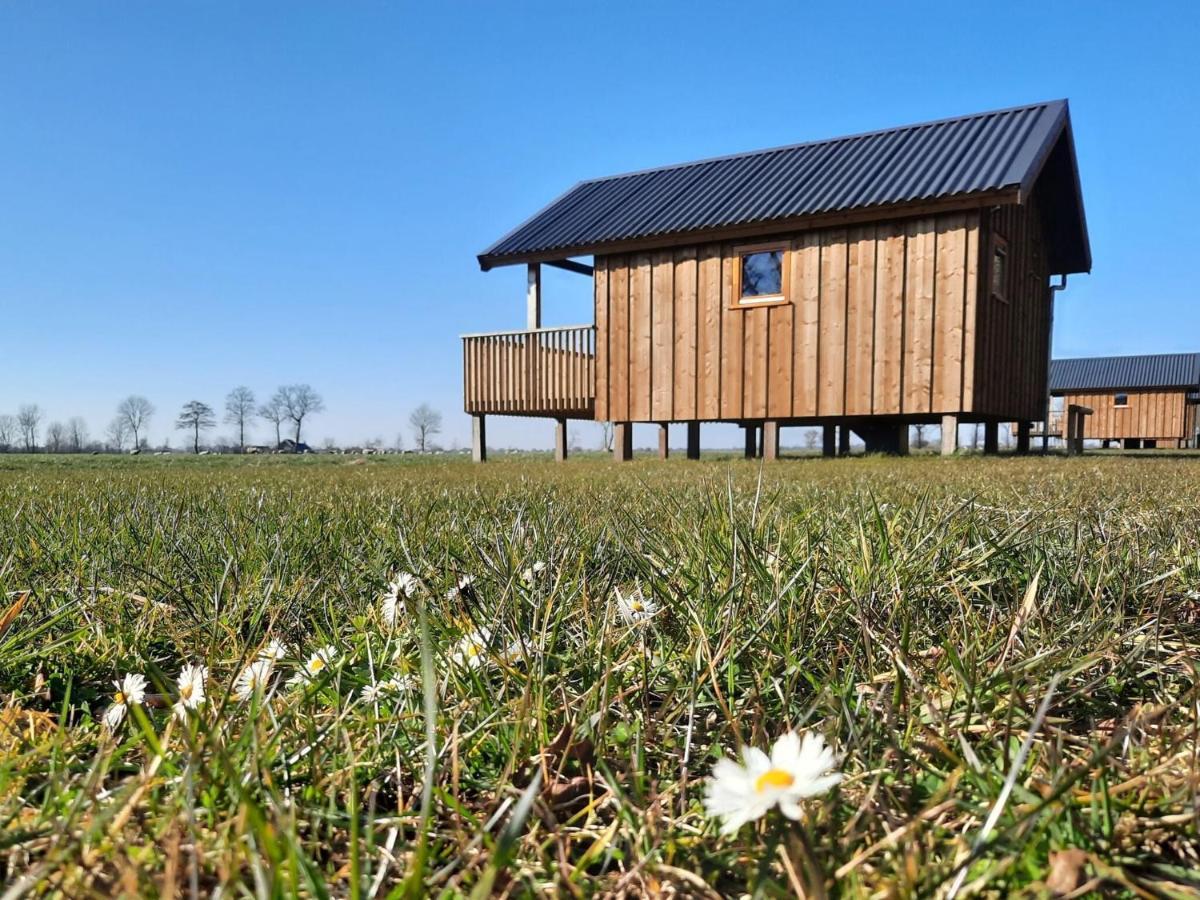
(299, 401)
(56, 437)
(117, 434)
(239, 409)
(606, 436)
(77, 434)
(811, 438)
(275, 412)
(196, 417)
(136, 411)
(919, 431)
(426, 422)
(8, 431)
(29, 417)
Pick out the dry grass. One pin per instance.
(1004, 641)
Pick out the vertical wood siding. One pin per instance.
(1150, 415)
(881, 319)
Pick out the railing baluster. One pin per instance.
(549, 371)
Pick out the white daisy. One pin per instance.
(391, 604)
(130, 690)
(635, 607)
(373, 692)
(531, 574)
(190, 685)
(316, 665)
(795, 770)
(402, 683)
(462, 587)
(274, 650)
(254, 678)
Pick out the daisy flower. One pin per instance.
(317, 663)
(635, 607)
(391, 605)
(130, 690)
(190, 686)
(531, 574)
(373, 692)
(795, 770)
(254, 678)
(275, 650)
(464, 587)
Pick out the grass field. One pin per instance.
(1002, 653)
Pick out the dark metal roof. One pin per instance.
(1107, 373)
(993, 156)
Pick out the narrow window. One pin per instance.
(1121, 400)
(1000, 268)
(761, 275)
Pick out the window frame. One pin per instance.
(736, 300)
(1116, 400)
(999, 248)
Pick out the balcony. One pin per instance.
(538, 372)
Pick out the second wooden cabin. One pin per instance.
(871, 282)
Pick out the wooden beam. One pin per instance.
(560, 440)
(751, 441)
(533, 296)
(949, 435)
(829, 440)
(622, 441)
(991, 438)
(693, 440)
(843, 440)
(571, 266)
(1023, 429)
(664, 447)
(478, 439)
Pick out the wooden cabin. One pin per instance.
(867, 283)
(1140, 401)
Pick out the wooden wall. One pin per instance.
(1150, 415)
(881, 319)
(1013, 351)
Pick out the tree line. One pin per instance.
(286, 411)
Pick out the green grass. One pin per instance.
(916, 612)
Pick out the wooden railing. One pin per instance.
(544, 372)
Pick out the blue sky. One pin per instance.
(195, 195)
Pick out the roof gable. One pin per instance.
(988, 156)
(1108, 373)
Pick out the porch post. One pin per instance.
(533, 296)
(560, 440)
(693, 440)
(949, 435)
(843, 440)
(1023, 429)
(622, 441)
(664, 449)
(829, 440)
(751, 440)
(770, 441)
(902, 439)
(991, 438)
(478, 438)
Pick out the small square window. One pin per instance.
(1121, 400)
(761, 275)
(1000, 268)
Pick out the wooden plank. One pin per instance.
(639, 338)
(600, 290)
(708, 374)
(806, 288)
(780, 322)
(949, 308)
(889, 319)
(831, 356)
(918, 317)
(754, 364)
(970, 311)
(860, 320)
(618, 369)
(662, 335)
(732, 347)
(684, 388)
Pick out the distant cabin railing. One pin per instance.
(540, 372)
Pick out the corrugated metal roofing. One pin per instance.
(1104, 373)
(961, 157)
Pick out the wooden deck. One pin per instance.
(540, 372)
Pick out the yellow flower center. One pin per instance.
(473, 650)
(637, 606)
(185, 692)
(773, 778)
(316, 665)
(119, 698)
